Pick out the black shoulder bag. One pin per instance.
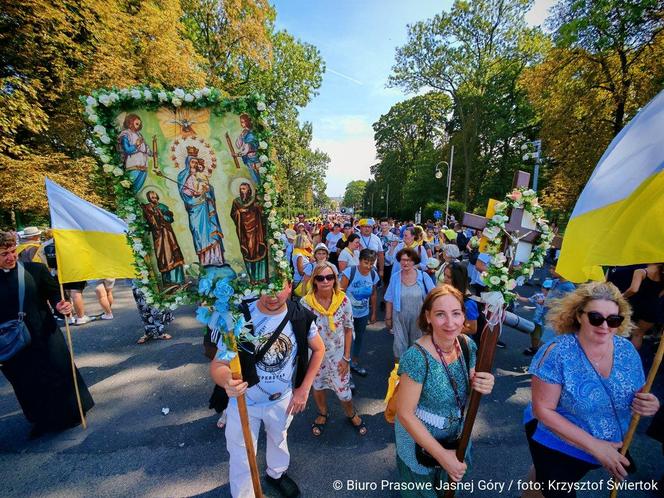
(249, 356)
(14, 334)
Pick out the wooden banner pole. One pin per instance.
(73, 365)
(246, 431)
(657, 361)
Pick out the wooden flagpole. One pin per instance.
(73, 365)
(657, 361)
(236, 370)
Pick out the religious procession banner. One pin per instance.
(194, 182)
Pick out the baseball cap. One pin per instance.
(367, 222)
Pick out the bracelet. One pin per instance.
(347, 360)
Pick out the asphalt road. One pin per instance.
(132, 449)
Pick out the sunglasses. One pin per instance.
(322, 278)
(597, 319)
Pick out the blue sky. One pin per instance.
(357, 39)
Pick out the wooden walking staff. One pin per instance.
(73, 365)
(236, 371)
(487, 350)
(657, 361)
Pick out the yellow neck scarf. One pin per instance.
(306, 252)
(337, 299)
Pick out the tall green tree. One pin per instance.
(53, 52)
(462, 53)
(409, 140)
(607, 63)
(354, 194)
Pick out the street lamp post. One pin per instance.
(439, 174)
(387, 202)
(536, 155)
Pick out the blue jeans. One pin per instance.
(360, 326)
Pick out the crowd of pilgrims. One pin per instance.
(589, 346)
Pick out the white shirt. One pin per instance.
(276, 369)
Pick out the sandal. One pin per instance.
(143, 339)
(317, 429)
(164, 337)
(361, 428)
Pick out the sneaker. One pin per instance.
(83, 320)
(285, 485)
(501, 344)
(72, 320)
(106, 316)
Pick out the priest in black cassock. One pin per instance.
(40, 373)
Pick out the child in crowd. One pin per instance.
(538, 318)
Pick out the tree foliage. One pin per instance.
(475, 54)
(354, 194)
(607, 64)
(53, 52)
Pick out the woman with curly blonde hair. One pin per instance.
(585, 386)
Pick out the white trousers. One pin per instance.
(276, 423)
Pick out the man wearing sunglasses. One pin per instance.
(284, 375)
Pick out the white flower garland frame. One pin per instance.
(499, 277)
(102, 106)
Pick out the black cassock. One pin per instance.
(41, 373)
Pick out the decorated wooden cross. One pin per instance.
(523, 230)
(504, 230)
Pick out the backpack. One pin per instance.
(391, 400)
(353, 272)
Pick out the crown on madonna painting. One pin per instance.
(192, 151)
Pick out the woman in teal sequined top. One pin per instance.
(429, 407)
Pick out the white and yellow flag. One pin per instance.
(618, 218)
(90, 243)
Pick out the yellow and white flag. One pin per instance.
(617, 219)
(90, 243)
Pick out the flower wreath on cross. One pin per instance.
(498, 276)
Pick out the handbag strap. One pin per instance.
(277, 332)
(426, 361)
(21, 290)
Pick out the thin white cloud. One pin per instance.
(345, 125)
(350, 159)
(344, 76)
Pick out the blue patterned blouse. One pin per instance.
(584, 398)
(437, 398)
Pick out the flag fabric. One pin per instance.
(617, 219)
(90, 243)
